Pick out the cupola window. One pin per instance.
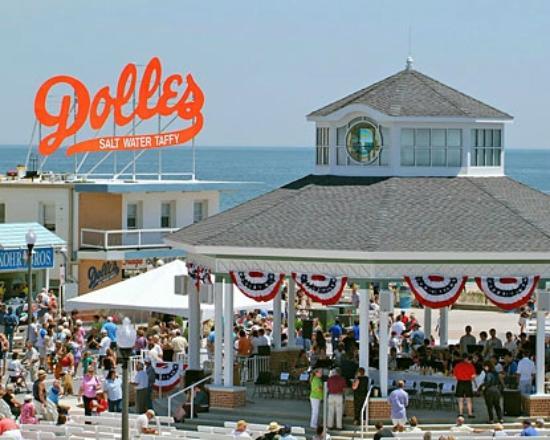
(436, 147)
(486, 148)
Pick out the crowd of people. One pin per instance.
(60, 345)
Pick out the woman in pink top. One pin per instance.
(88, 388)
(28, 412)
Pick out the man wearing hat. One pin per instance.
(240, 430)
(104, 344)
(110, 329)
(272, 431)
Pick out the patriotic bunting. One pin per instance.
(199, 274)
(321, 288)
(436, 291)
(508, 292)
(167, 375)
(260, 286)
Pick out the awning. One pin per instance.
(153, 291)
(12, 235)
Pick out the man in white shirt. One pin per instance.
(526, 372)
(511, 344)
(398, 327)
(104, 344)
(142, 423)
(179, 343)
(155, 350)
(462, 427)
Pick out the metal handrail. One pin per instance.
(190, 387)
(365, 413)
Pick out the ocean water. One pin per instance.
(264, 168)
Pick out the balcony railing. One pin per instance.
(115, 239)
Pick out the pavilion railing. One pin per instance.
(251, 367)
(365, 413)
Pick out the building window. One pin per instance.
(363, 142)
(435, 147)
(47, 216)
(322, 146)
(167, 212)
(486, 148)
(357, 131)
(200, 210)
(2, 213)
(132, 216)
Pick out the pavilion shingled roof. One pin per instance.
(385, 214)
(411, 93)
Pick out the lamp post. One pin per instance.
(126, 338)
(30, 238)
(62, 279)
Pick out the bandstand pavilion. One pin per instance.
(409, 182)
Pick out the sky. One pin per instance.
(263, 65)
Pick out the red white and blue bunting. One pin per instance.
(321, 288)
(260, 286)
(508, 292)
(167, 375)
(436, 291)
(199, 274)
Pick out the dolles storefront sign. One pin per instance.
(16, 259)
(152, 95)
(108, 271)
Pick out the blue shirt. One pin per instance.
(417, 337)
(113, 387)
(211, 337)
(53, 395)
(335, 331)
(356, 332)
(110, 328)
(399, 400)
(529, 432)
(141, 380)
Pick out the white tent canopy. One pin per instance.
(153, 291)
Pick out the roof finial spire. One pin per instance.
(410, 59)
(410, 62)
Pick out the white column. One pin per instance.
(383, 353)
(427, 322)
(218, 325)
(291, 311)
(228, 336)
(47, 280)
(541, 324)
(444, 326)
(364, 323)
(194, 326)
(276, 333)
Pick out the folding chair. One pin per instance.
(429, 391)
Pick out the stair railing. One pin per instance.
(192, 388)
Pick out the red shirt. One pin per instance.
(336, 384)
(464, 371)
(7, 424)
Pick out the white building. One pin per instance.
(114, 222)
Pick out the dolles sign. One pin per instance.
(96, 110)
